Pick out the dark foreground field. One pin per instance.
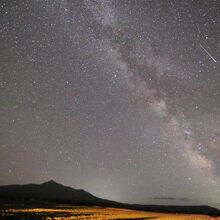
(37, 211)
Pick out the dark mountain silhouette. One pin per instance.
(49, 191)
(55, 192)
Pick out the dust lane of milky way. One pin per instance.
(120, 98)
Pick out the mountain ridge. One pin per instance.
(56, 192)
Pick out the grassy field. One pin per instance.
(63, 212)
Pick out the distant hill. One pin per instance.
(50, 191)
(55, 192)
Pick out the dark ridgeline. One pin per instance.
(55, 192)
(49, 191)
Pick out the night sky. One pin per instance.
(117, 97)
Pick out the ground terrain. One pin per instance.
(69, 212)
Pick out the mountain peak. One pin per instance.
(50, 182)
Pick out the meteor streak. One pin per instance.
(208, 53)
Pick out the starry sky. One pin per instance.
(117, 97)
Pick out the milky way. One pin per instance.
(121, 98)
